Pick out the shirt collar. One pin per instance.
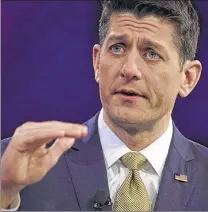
(114, 148)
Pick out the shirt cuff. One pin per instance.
(14, 206)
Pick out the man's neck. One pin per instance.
(138, 137)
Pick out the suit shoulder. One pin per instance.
(200, 151)
(198, 146)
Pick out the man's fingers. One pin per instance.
(59, 147)
(36, 136)
(70, 129)
(28, 140)
(41, 134)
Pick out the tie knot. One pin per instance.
(133, 160)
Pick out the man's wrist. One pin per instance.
(14, 205)
(7, 200)
(9, 194)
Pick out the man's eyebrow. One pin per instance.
(117, 38)
(153, 44)
(143, 41)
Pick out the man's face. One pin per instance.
(138, 69)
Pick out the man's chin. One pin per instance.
(130, 118)
(126, 115)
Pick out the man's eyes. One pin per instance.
(149, 54)
(152, 55)
(117, 48)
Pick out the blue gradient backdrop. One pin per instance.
(47, 71)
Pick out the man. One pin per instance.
(131, 150)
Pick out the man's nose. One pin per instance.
(131, 69)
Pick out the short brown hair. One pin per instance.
(179, 12)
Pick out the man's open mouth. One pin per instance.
(129, 93)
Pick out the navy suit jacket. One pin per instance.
(81, 171)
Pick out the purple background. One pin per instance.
(47, 71)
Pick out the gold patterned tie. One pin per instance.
(132, 195)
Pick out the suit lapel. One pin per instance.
(174, 194)
(87, 166)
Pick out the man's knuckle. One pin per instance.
(26, 124)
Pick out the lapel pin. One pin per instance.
(181, 177)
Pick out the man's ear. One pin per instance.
(190, 76)
(96, 61)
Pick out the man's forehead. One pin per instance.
(118, 18)
(122, 25)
